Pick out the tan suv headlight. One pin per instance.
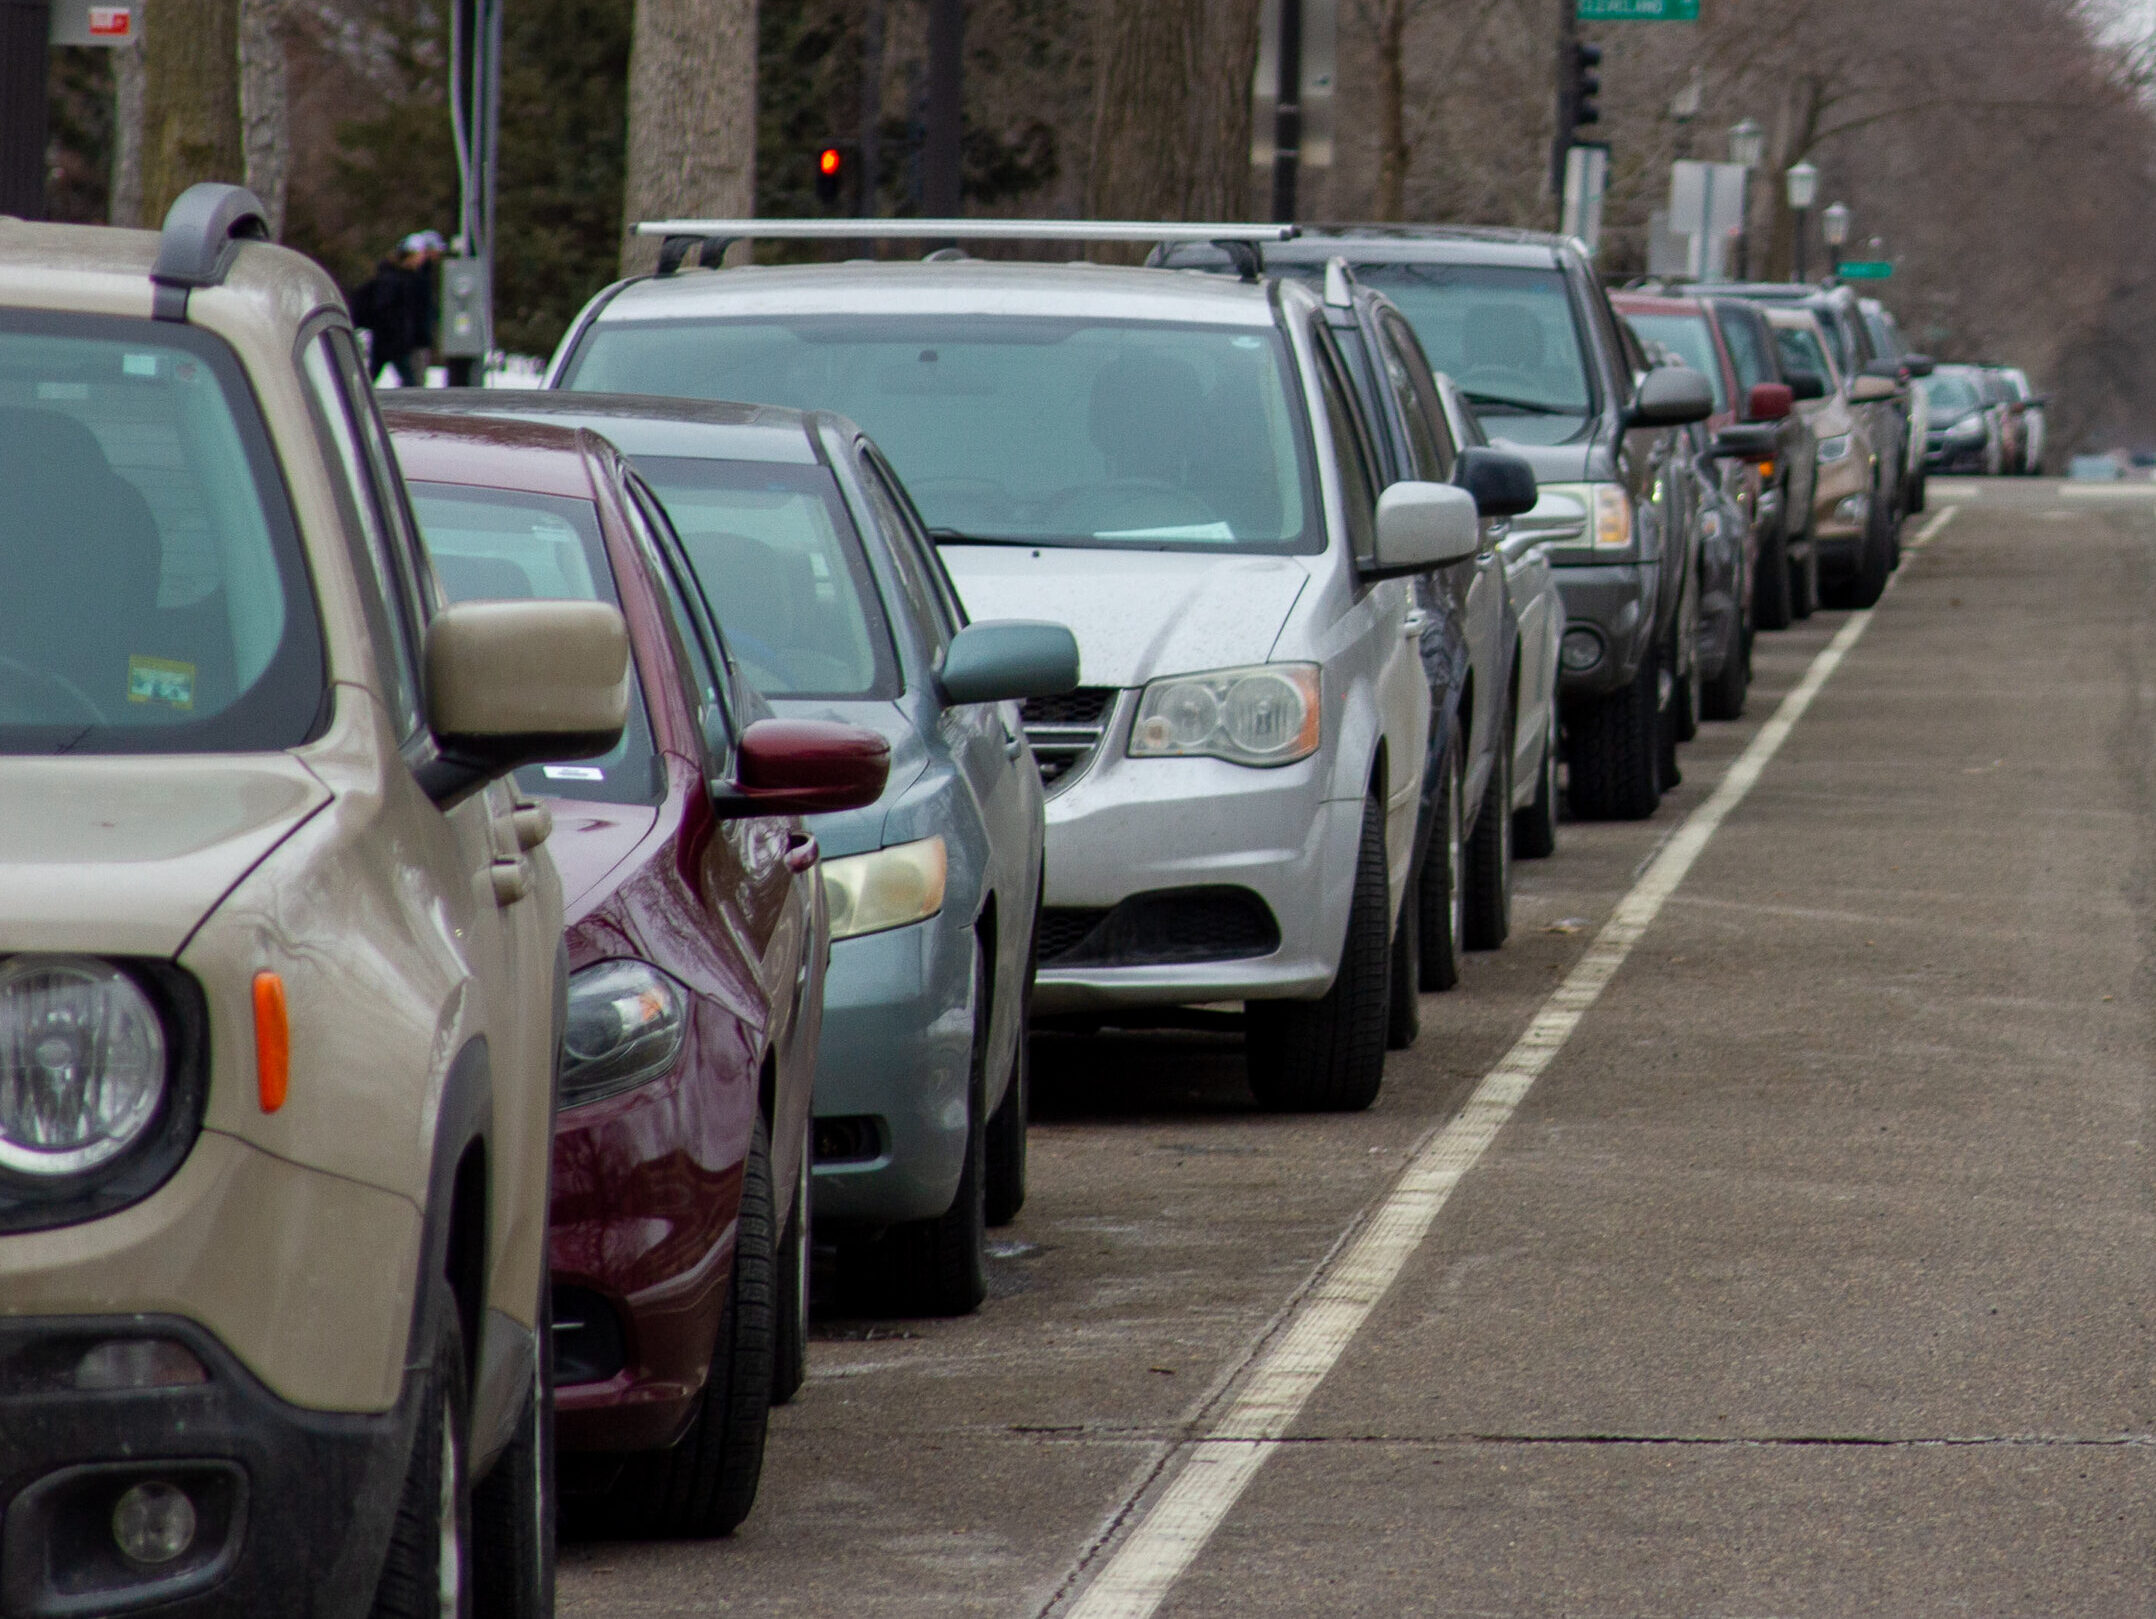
(627, 1023)
(82, 1065)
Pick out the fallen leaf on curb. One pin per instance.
(1571, 924)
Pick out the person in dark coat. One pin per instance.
(398, 307)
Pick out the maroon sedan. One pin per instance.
(696, 946)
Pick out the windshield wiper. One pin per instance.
(952, 536)
(1526, 407)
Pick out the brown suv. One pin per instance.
(280, 963)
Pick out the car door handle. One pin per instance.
(802, 852)
(512, 881)
(534, 824)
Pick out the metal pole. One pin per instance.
(1802, 214)
(940, 156)
(871, 107)
(25, 58)
(1288, 111)
(1568, 39)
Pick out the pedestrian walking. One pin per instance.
(398, 307)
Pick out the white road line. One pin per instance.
(1930, 531)
(1168, 1535)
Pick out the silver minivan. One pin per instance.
(1174, 466)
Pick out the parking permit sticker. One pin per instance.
(161, 680)
(572, 773)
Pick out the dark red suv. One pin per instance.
(696, 945)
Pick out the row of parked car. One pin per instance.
(496, 879)
(1985, 419)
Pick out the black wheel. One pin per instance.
(1328, 1055)
(939, 1266)
(1724, 695)
(428, 1572)
(1403, 1002)
(789, 1355)
(1441, 896)
(1876, 561)
(705, 1482)
(1686, 698)
(1489, 853)
(1534, 829)
(1007, 1126)
(1770, 594)
(1919, 492)
(513, 1507)
(1615, 749)
(1804, 581)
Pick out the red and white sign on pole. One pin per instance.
(80, 22)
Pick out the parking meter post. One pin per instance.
(25, 56)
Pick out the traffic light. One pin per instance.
(831, 166)
(1580, 102)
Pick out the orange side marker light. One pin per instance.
(273, 1042)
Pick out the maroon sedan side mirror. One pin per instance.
(1769, 402)
(803, 767)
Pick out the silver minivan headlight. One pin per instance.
(82, 1065)
(1265, 714)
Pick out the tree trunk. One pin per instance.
(692, 117)
(190, 101)
(1171, 118)
(1392, 148)
(265, 115)
(124, 205)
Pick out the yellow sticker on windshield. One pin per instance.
(161, 680)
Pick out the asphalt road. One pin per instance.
(1810, 1276)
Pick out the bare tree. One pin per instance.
(692, 116)
(190, 100)
(265, 108)
(1171, 118)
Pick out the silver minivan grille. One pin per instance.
(1066, 730)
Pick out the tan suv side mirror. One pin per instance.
(513, 682)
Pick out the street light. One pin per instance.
(1834, 226)
(1803, 192)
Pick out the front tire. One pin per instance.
(1489, 853)
(427, 1573)
(513, 1509)
(1007, 1126)
(789, 1359)
(1869, 582)
(1771, 595)
(1328, 1055)
(1804, 582)
(704, 1484)
(1725, 694)
(1534, 829)
(1441, 896)
(1616, 749)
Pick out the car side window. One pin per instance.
(1358, 488)
(1747, 349)
(905, 547)
(1409, 372)
(693, 634)
(395, 614)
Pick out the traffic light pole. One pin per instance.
(25, 57)
(1568, 46)
(941, 151)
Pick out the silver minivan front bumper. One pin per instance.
(1134, 826)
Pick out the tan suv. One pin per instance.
(280, 970)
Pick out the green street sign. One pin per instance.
(1865, 270)
(1639, 10)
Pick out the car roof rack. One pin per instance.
(709, 238)
(1339, 282)
(202, 231)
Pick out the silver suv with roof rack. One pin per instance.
(1177, 468)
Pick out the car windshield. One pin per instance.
(1837, 335)
(156, 599)
(1950, 395)
(1800, 351)
(514, 545)
(781, 568)
(1687, 336)
(1507, 336)
(1031, 430)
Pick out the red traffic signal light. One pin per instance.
(831, 165)
(830, 160)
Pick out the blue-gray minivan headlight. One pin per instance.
(627, 1022)
(82, 1065)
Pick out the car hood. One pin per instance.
(124, 856)
(857, 831)
(588, 842)
(1137, 614)
(1581, 461)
